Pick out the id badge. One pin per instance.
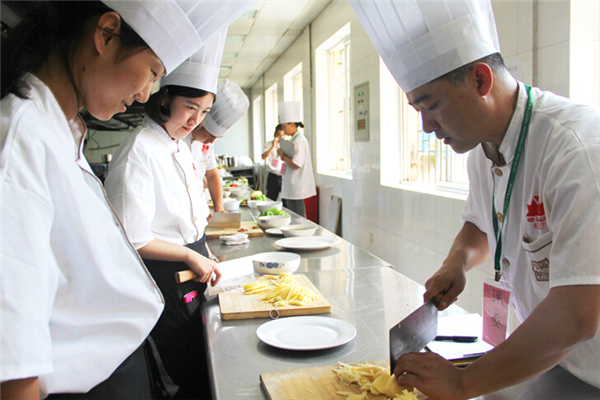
(496, 300)
(283, 168)
(274, 163)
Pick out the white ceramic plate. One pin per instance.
(274, 231)
(307, 243)
(306, 333)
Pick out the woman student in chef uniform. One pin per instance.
(534, 183)
(154, 186)
(273, 164)
(298, 178)
(78, 325)
(231, 105)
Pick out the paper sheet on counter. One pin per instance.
(235, 273)
(460, 325)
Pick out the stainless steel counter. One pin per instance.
(362, 290)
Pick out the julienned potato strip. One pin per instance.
(372, 379)
(281, 291)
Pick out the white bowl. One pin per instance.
(253, 204)
(231, 204)
(237, 191)
(276, 263)
(274, 221)
(267, 205)
(298, 230)
(226, 193)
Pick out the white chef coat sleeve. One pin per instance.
(29, 275)
(573, 211)
(212, 161)
(132, 193)
(300, 152)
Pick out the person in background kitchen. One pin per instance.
(273, 163)
(231, 105)
(155, 188)
(298, 179)
(77, 302)
(544, 238)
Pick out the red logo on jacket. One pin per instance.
(536, 213)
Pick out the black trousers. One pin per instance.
(273, 185)
(179, 333)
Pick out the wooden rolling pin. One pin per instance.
(184, 276)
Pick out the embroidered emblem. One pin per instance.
(541, 269)
(205, 147)
(536, 214)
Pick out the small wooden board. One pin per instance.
(237, 305)
(317, 383)
(251, 229)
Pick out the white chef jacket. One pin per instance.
(203, 154)
(273, 162)
(552, 235)
(153, 185)
(299, 183)
(76, 300)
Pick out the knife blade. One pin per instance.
(414, 332)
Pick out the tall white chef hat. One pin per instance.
(231, 105)
(421, 40)
(175, 29)
(289, 111)
(200, 71)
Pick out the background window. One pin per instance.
(292, 87)
(425, 159)
(258, 127)
(333, 113)
(271, 111)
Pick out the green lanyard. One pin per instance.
(511, 182)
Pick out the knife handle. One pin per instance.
(184, 276)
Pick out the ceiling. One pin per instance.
(254, 42)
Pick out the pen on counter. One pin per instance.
(460, 339)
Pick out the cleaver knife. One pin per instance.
(414, 332)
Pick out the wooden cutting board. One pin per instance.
(317, 383)
(237, 305)
(251, 229)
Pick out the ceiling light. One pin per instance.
(230, 55)
(235, 38)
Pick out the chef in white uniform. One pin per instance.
(231, 105)
(535, 162)
(298, 178)
(155, 187)
(76, 301)
(273, 164)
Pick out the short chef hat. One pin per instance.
(200, 71)
(421, 40)
(176, 29)
(231, 105)
(289, 111)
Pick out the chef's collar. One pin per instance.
(509, 142)
(160, 133)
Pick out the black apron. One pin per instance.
(141, 376)
(273, 185)
(179, 333)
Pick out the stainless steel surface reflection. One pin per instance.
(362, 290)
(341, 256)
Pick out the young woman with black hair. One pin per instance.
(77, 302)
(153, 185)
